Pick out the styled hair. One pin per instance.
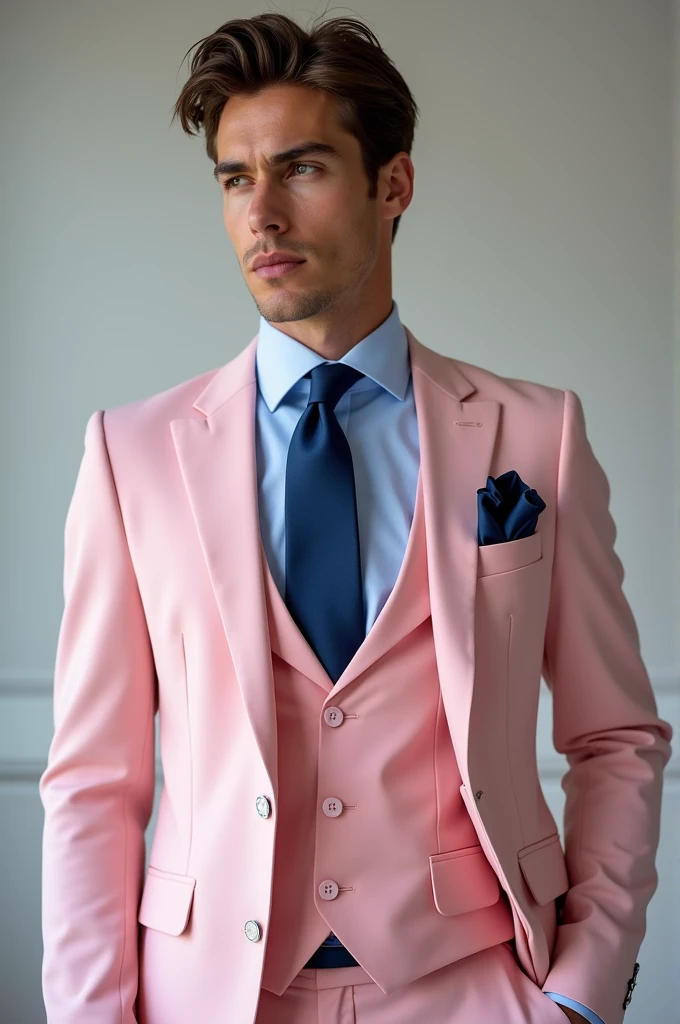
(341, 56)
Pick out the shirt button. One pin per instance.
(332, 806)
(252, 930)
(264, 808)
(328, 889)
(333, 717)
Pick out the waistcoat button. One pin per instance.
(252, 930)
(478, 794)
(328, 889)
(264, 808)
(333, 717)
(332, 806)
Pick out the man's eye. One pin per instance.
(228, 183)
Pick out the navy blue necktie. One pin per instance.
(324, 593)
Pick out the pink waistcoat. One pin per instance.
(369, 802)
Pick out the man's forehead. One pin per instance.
(272, 104)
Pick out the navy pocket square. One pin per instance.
(507, 509)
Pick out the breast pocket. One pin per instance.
(508, 556)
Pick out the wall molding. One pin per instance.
(550, 769)
(16, 771)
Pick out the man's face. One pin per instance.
(314, 206)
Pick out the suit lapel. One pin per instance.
(216, 453)
(457, 440)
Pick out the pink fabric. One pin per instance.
(167, 607)
(406, 848)
(487, 987)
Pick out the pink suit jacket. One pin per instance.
(162, 530)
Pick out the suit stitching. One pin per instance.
(191, 760)
(434, 770)
(557, 512)
(507, 741)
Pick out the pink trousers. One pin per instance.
(488, 987)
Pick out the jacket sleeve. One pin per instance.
(98, 787)
(605, 722)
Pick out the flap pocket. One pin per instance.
(463, 880)
(509, 554)
(544, 868)
(166, 901)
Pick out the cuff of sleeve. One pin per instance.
(574, 1004)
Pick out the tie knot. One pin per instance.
(330, 381)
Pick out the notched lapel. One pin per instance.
(217, 460)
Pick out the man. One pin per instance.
(286, 557)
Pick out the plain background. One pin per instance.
(539, 243)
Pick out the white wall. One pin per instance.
(539, 243)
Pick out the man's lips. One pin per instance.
(278, 256)
(278, 269)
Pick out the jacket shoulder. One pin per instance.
(490, 385)
(138, 432)
(163, 406)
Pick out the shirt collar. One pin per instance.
(382, 355)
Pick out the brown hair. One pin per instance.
(341, 56)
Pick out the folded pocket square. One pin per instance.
(507, 509)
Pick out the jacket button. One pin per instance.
(332, 806)
(328, 889)
(264, 808)
(252, 930)
(333, 717)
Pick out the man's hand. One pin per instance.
(574, 1016)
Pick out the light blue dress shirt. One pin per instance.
(378, 417)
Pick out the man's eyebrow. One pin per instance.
(304, 149)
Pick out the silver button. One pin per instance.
(333, 717)
(264, 808)
(252, 930)
(332, 806)
(328, 889)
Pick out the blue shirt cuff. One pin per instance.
(574, 1004)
